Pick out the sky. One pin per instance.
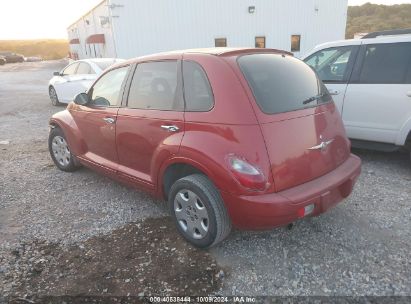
(36, 19)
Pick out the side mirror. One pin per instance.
(82, 99)
(56, 74)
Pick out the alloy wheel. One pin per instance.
(191, 214)
(61, 151)
(53, 96)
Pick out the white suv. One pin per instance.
(370, 79)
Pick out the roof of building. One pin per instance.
(87, 13)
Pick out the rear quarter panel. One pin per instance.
(230, 127)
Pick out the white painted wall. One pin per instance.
(82, 31)
(142, 27)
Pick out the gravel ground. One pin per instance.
(65, 233)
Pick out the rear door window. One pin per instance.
(386, 64)
(84, 68)
(197, 89)
(154, 87)
(282, 83)
(71, 69)
(331, 64)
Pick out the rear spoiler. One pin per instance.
(254, 51)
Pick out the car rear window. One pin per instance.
(282, 83)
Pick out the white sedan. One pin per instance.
(76, 78)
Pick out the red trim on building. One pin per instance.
(75, 41)
(97, 38)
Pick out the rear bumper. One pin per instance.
(278, 209)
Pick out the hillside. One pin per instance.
(47, 49)
(372, 17)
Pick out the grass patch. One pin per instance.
(48, 49)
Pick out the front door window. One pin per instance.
(106, 91)
(331, 64)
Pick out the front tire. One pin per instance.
(198, 211)
(60, 151)
(53, 97)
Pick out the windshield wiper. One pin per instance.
(311, 99)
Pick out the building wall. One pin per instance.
(91, 24)
(142, 27)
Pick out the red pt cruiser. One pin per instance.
(243, 137)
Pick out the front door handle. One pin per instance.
(109, 120)
(171, 128)
(409, 93)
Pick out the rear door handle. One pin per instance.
(171, 128)
(334, 92)
(409, 93)
(109, 120)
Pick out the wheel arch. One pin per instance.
(407, 143)
(404, 135)
(64, 121)
(175, 169)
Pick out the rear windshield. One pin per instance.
(282, 83)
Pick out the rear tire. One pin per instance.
(60, 151)
(53, 97)
(198, 211)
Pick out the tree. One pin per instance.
(372, 17)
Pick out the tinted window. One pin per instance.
(282, 83)
(106, 91)
(84, 68)
(386, 63)
(197, 90)
(71, 69)
(408, 77)
(331, 64)
(154, 86)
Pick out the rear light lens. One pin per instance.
(304, 211)
(246, 174)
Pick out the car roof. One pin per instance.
(94, 62)
(219, 51)
(97, 60)
(224, 51)
(377, 40)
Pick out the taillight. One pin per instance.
(246, 174)
(304, 211)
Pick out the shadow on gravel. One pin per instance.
(398, 157)
(146, 258)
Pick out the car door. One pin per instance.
(64, 84)
(82, 79)
(377, 102)
(151, 125)
(334, 66)
(97, 120)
